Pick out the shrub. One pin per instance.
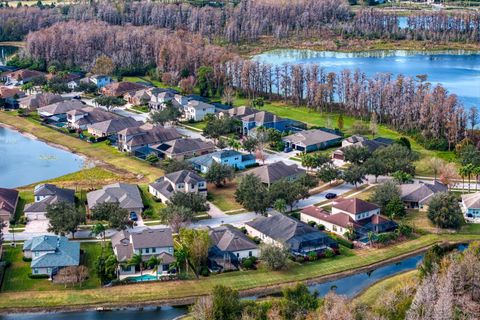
(344, 242)
(109, 142)
(386, 237)
(295, 215)
(312, 256)
(321, 227)
(204, 272)
(38, 276)
(329, 253)
(257, 240)
(312, 223)
(91, 139)
(249, 263)
(25, 259)
(252, 165)
(405, 230)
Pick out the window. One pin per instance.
(250, 253)
(238, 255)
(36, 253)
(35, 270)
(147, 250)
(170, 250)
(193, 186)
(154, 250)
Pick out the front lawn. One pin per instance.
(152, 207)
(17, 279)
(224, 197)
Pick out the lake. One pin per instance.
(457, 71)
(5, 52)
(24, 160)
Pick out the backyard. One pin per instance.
(224, 197)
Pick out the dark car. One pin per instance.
(330, 195)
(77, 97)
(133, 216)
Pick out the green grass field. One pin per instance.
(152, 207)
(224, 197)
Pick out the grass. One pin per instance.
(224, 197)
(418, 219)
(152, 207)
(130, 167)
(236, 280)
(200, 125)
(140, 109)
(16, 277)
(374, 293)
(24, 198)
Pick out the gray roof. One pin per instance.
(421, 192)
(61, 107)
(356, 138)
(276, 171)
(8, 199)
(262, 117)
(123, 247)
(53, 194)
(93, 115)
(311, 137)
(472, 200)
(241, 111)
(199, 105)
(65, 253)
(207, 159)
(38, 100)
(127, 195)
(163, 187)
(180, 146)
(185, 176)
(113, 126)
(148, 134)
(228, 238)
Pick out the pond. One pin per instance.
(24, 160)
(458, 71)
(5, 52)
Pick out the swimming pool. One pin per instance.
(142, 278)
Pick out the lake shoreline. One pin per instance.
(185, 301)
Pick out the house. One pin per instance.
(311, 140)
(57, 112)
(147, 243)
(231, 158)
(197, 110)
(276, 171)
(353, 140)
(160, 97)
(44, 195)
(268, 120)
(471, 206)
(10, 97)
(138, 97)
(300, 238)
(349, 215)
(81, 118)
(238, 112)
(70, 79)
(20, 77)
(8, 203)
(118, 89)
(370, 145)
(417, 195)
(181, 149)
(134, 138)
(99, 80)
(126, 195)
(38, 100)
(179, 181)
(112, 127)
(51, 253)
(229, 247)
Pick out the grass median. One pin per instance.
(162, 291)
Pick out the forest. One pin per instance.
(249, 20)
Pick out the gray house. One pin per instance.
(147, 243)
(417, 195)
(112, 126)
(276, 171)
(126, 195)
(179, 181)
(51, 253)
(57, 112)
(311, 140)
(44, 195)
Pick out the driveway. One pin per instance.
(37, 226)
(319, 197)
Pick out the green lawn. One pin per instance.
(152, 207)
(237, 280)
(224, 197)
(16, 276)
(200, 125)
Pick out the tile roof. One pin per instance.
(92, 115)
(25, 74)
(273, 172)
(113, 126)
(339, 219)
(311, 137)
(420, 192)
(61, 107)
(6, 92)
(39, 100)
(8, 199)
(354, 205)
(180, 146)
(127, 195)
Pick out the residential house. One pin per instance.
(353, 140)
(9, 97)
(276, 171)
(371, 145)
(82, 118)
(300, 238)
(112, 127)
(44, 195)
(57, 112)
(181, 149)
(197, 110)
(145, 136)
(471, 207)
(268, 120)
(99, 80)
(118, 89)
(49, 254)
(20, 77)
(72, 80)
(160, 97)
(126, 195)
(147, 243)
(356, 208)
(238, 112)
(229, 247)
(417, 195)
(8, 204)
(138, 97)
(180, 181)
(38, 100)
(311, 140)
(231, 158)
(339, 223)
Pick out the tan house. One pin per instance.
(118, 89)
(131, 139)
(112, 126)
(181, 149)
(179, 181)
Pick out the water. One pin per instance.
(24, 160)
(457, 71)
(5, 52)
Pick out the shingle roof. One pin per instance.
(354, 205)
(66, 253)
(7, 92)
(207, 159)
(241, 111)
(311, 137)
(113, 126)
(127, 195)
(420, 192)
(356, 139)
(120, 88)
(276, 171)
(148, 134)
(40, 100)
(228, 238)
(61, 107)
(471, 201)
(184, 176)
(8, 199)
(339, 219)
(93, 115)
(262, 117)
(53, 194)
(180, 146)
(25, 74)
(152, 238)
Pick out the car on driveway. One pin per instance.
(133, 216)
(330, 195)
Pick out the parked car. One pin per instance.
(133, 216)
(330, 195)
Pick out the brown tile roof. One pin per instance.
(6, 92)
(120, 88)
(25, 74)
(340, 219)
(354, 206)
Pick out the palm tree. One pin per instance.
(181, 257)
(462, 171)
(136, 260)
(233, 143)
(154, 262)
(476, 172)
(371, 235)
(466, 171)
